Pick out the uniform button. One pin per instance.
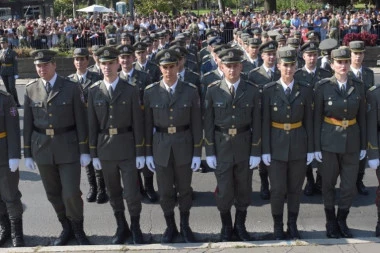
(110, 116)
(50, 126)
(49, 104)
(233, 116)
(171, 125)
(50, 114)
(170, 117)
(288, 116)
(288, 107)
(233, 107)
(111, 106)
(111, 126)
(171, 109)
(345, 110)
(345, 101)
(233, 126)
(287, 132)
(123, 102)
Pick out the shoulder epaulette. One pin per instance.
(367, 69)
(95, 84)
(72, 75)
(322, 82)
(255, 69)
(206, 56)
(151, 85)
(372, 88)
(33, 81)
(191, 85)
(303, 83)
(195, 73)
(268, 85)
(208, 73)
(252, 83)
(298, 70)
(214, 83)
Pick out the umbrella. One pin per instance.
(95, 8)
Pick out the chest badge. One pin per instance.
(275, 109)
(330, 103)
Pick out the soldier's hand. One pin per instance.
(16, 76)
(266, 159)
(318, 156)
(85, 160)
(363, 153)
(150, 163)
(373, 164)
(310, 158)
(140, 162)
(96, 163)
(13, 164)
(29, 163)
(211, 161)
(196, 163)
(254, 161)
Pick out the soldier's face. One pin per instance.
(169, 72)
(232, 71)
(46, 70)
(141, 56)
(126, 61)
(253, 51)
(357, 58)
(109, 69)
(281, 44)
(340, 67)
(287, 69)
(310, 59)
(269, 58)
(81, 63)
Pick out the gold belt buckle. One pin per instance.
(112, 131)
(50, 132)
(172, 130)
(287, 126)
(344, 124)
(232, 131)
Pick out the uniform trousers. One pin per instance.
(10, 86)
(378, 190)
(346, 166)
(286, 180)
(115, 173)
(10, 195)
(61, 183)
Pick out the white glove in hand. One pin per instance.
(266, 159)
(29, 163)
(96, 163)
(150, 163)
(13, 164)
(373, 164)
(318, 156)
(363, 153)
(211, 161)
(196, 163)
(140, 162)
(254, 161)
(85, 160)
(310, 158)
(16, 76)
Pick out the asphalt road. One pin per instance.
(41, 225)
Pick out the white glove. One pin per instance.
(85, 160)
(140, 162)
(196, 163)
(96, 163)
(266, 159)
(16, 76)
(310, 158)
(211, 161)
(150, 163)
(373, 164)
(254, 161)
(363, 153)
(318, 156)
(29, 163)
(13, 164)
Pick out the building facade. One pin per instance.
(22, 9)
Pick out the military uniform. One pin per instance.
(9, 69)
(10, 203)
(149, 67)
(287, 138)
(326, 46)
(95, 68)
(55, 136)
(340, 116)
(233, 135)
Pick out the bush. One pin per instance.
(368, 38)
(24, 52)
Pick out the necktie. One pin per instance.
(312, 74)
(81, 80)
(110, 91)
(180, 77)
(343, 88)
(129, 79)
(232, 91)
(360, 75)
(143, 68)
(48, 87)
(269, 74)
(287, 92)
(171, 92)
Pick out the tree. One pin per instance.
(147, 7)
(270, 5)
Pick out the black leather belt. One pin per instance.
(54, 131)
(113, 131)
(172, 130)
(232, 131)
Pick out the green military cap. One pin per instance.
(287, 54)
(328, 44)
(107, 53)
(311, 34)
(231, 55)
(180, 49)
(357, 46)
(269, 46)
(245, 39)
(111, 42)
(167, 56)
(43, 55)
(342, 53)
(245, 34)
(264, 34)
(143, 30)
(220, 48)
(293, 42)
(254, 42)
(310, 47)
(125, 36)
(147, 40)
(216, 41)
(280, 37)
(181, 36)
(257, 31)
(239, 33)
(81, 52)
(212, 33)
(125, 49)
(161, 34)
(153, 36)
(3, 40)
(297, 34)
(178, 42)
(140, 46)
(286, 31)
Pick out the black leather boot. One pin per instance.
(66, 234)
(149, 189)
(342, 223)
(185, 229)
(292, 226)
(378, 225)
(137, 235)
(318, 184)
(122, 231)
(264, 190)
(362, 190)
(239, 227)
(17, 232)
(278, 227)
(171, 231)
(101, 196)
(5, 229)
(91, 195)
(332, 230)
(79, 234)
(141, 185)
(309, 187)
(226, 232)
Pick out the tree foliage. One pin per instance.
(149, 6)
